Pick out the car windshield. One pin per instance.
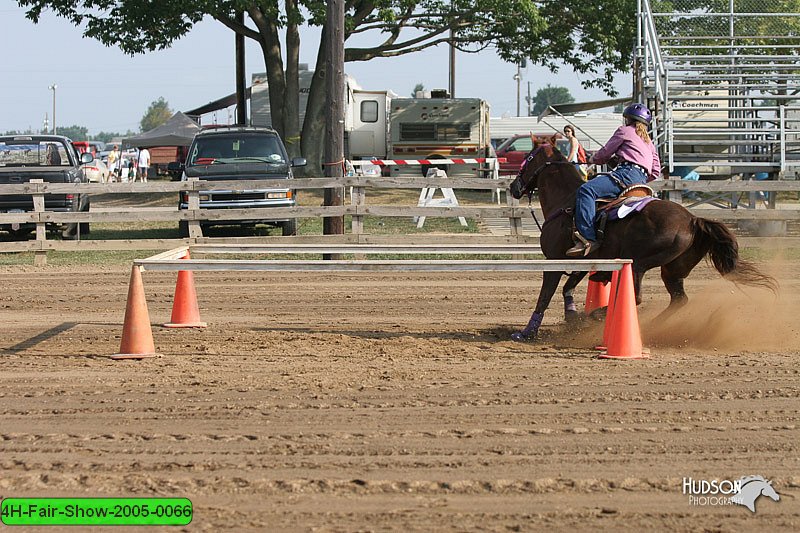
(240, 148)
(33, 153)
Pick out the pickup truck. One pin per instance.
(517, 147)
(226, 153)
(51, 158)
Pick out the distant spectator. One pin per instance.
(689, 174)
(577, 155)
(144, 164)
(113, 159)
(130, 170)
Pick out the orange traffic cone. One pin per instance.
(625, 339)
(610, 310)
(596, 295)
(185, 312)
(137, 337)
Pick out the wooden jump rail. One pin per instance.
(171, 260)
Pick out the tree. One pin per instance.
(594, 38)
(76, 133)
(549, 95)
(157, 114)
(417, 88)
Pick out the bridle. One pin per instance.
(528, 190)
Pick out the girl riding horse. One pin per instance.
(638, 164)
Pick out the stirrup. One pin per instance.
(583, 246)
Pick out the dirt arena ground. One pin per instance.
(396, 402)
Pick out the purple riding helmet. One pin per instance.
(639, 113)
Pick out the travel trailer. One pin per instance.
(380, 125)
(438, 127)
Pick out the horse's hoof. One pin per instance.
(599, 314)
(572, 316)
(519, 336)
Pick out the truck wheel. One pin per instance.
(71, 230)
(22, 234)
(289, 227)
(183, 228)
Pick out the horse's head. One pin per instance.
(543, 154)
(770, 492)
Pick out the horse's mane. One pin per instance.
(747, 479)
(568, 170)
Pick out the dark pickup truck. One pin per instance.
(51, 158)
(225, 153)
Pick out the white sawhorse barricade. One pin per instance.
(426, 198)
(426, 195)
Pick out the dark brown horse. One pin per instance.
(663, 234)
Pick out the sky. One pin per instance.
(105, 90)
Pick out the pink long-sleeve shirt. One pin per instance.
(628, 146)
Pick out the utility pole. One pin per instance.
(334, 116)
(241, 84)
(518, 79)
(53, 88)
(452, 67)
(528, 99)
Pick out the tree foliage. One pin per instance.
(594, 38)
(76, 133)
(157, 114)
(418, 87)
(549, 95)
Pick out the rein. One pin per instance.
(529, 190)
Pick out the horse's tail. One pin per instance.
(721, 246)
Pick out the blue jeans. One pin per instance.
(602, 186)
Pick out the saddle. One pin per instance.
(606, 206)
(634, 191)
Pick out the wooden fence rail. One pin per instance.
(358, 208)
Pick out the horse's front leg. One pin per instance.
(549, 286)
(570, 311)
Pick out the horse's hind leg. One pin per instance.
(673, 281)
(638, 275)
(570, 311)
(674, 273)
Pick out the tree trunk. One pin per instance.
(273, 61)
(313, 138)
(291, 109)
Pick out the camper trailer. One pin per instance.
(367, 123)
(366, 113)
(438, 127)
(380, 125)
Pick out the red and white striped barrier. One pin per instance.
(386, 162)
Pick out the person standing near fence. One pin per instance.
(577, 155)
(113, 158)
(144, 164)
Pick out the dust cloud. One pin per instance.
(722, 316)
